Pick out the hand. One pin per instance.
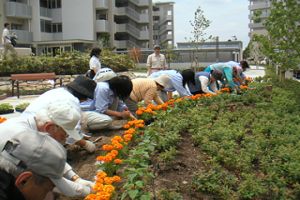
(85, 182)
(89, 146)
(125, 114)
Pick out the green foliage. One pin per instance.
(21, 107)
(64, 63)
(282, 44)
(199, 24)
(6, 108)
(169, 195)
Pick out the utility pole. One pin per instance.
(217, 49)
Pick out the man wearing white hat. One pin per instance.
(59, 120)
(31, 164)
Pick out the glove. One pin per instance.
(70, 188)
(89, 146)
(85, 182)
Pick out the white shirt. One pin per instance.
(58, 94)
(205, 84)
(95, 64)
(5, 34)
(156, 61)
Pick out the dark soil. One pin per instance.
(177, 175)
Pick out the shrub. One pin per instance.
(65, 63)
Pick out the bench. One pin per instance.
(16, 78)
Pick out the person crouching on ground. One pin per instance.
(145, 89)
(107, 106)
(205, 82)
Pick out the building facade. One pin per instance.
(259, 12)
(64, 25)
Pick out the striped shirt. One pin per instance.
(145, 89)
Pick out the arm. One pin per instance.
(149, 64)
(229, 78)
(205, 84)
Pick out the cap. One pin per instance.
(38, 152)
(217, 74)
(84, 86)
(163, 80)
(67, 115)
(156, 46)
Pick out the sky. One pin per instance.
(228, 18)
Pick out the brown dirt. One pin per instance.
(177, 175)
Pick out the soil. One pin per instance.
(177, 175)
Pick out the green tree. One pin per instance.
(282, 44)
(199, 24)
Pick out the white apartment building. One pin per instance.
(65, 25)
(259, 11)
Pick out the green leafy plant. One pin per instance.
(21, 107)
(6, 108)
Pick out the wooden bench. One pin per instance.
(16, 78)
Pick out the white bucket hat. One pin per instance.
(164, 80)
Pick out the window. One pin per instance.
(169, 23)
(155, 8)
(169, 12)
(56, 28)
(48, 27)
(101, 15)
(50, 3)
(169, 32)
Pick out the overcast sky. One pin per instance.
(228, 18)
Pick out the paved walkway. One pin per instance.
(254, 71)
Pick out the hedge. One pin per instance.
(66, 63)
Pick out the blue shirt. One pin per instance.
(176, 81)
(104, 98)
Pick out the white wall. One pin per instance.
(78, 19)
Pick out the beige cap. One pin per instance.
(164, 80)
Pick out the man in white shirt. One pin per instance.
(156, 61)
(7, 46)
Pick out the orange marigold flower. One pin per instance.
(126, 126)
(2, 119)
(91, 197)
(108, 188)
(107, 147)
(117, 138)
(101, 174)
(130, 131)
(118, 161)
(116, 178)
(108, 180)
(114, 152)
(139, 112)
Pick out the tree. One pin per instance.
(282, 44)
(199, 24)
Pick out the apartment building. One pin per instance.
(65, 25)
(259, 11)
(163, 24)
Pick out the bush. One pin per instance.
(66, 63)
(6, 108)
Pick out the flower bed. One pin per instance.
(243, 146)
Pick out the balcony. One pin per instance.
(45, 12)
(133, 31)
(166, 37)
(19, 10)
(259, 5)
(144, 35)
(131, 13)
(24, 37)
(141, 3)
(256, 25)
(102, 26)
(101, 4)
(165, 28)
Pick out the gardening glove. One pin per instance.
(89, 146)
(85, 182)
(70, 188)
